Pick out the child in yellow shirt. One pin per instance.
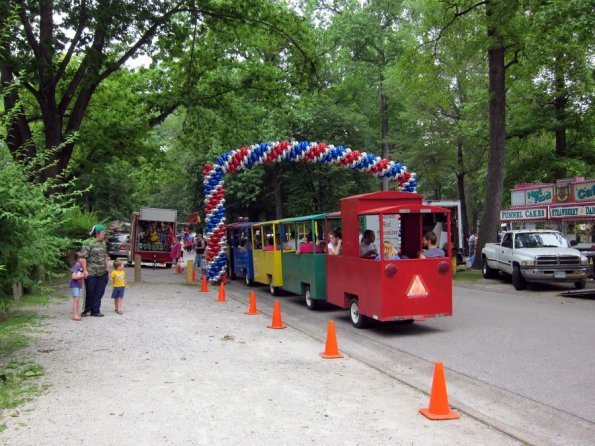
(118, 276)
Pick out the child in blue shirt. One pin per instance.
(76, 284)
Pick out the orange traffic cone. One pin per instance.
(277, 323)
(252, 306)
(331, 350)
(439, 409)
(204, 288)
(179, 268)
(221, 297)
(193, 275)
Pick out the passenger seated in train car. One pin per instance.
(430, 250)
(269, 246)
(306, 247)
(367, 247)
(291, 242)
(335, 247)
(389, 252)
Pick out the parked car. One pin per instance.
(118, 245)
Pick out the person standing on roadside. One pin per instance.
(95, 271)
(200, 244)
(76, 283)
(472, 240)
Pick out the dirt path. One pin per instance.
(179, 368)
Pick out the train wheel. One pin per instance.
(358, 320)
(311, 304)
(273, 289)
(518, 281)
(248, 281)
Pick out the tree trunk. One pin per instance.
(462, 196)
(277, 191)
(18, 137)
(490, 221)
(560, 103)
(386, 146)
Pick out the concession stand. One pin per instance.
(568, 205)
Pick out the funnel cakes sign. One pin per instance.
(524, 214)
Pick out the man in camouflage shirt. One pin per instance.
(95, 271)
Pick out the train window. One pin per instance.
(272, 238)
(302, 231)
(391, 225)
(257, 236)
(288, 237)
(334, 228)
(369, 237)
(318, 227)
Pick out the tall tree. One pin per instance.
(62, 52)
(366, 34)
(443, 114)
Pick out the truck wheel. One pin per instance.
(518, 281)
(168, 265)
(488, 273)
(358, 320)
(580, 285)
(311, 304)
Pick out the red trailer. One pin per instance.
(152, 234)
(409, 288)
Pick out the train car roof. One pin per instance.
(270, 222)
(386, 195)
(240, 224)
(406, 209)
(303, 218)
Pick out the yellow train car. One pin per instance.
(266, 253)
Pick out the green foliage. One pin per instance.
(18, 374)
(31, 219)
(76, 225)
(469, 275)
(226, 74)
(13, 329)
(20, 383)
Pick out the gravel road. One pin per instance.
(180, 368)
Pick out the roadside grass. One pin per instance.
(469, 275)
(19, 373)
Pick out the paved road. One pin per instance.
(522, 361)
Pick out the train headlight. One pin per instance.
(390, 270)
(444, 267)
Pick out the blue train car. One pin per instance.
(240, 260)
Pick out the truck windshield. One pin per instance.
(541, 240)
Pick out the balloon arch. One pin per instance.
(276, 152)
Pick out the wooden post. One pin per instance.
(189, 267)
(137, 262)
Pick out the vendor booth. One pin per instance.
(568, 206)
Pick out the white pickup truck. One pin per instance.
(535, 256)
